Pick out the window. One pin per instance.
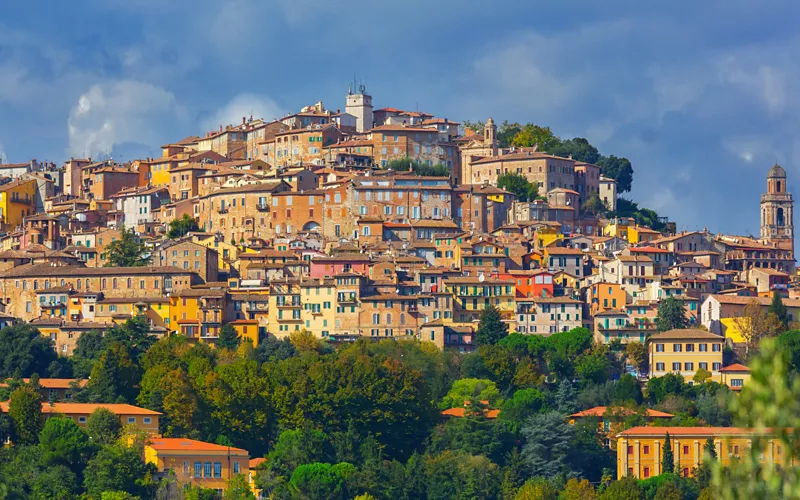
(235, 467)
(688, 366)
(630, 450)
(81, 420)
(217, 469)
(716, 366)
(676, 366)
(660, 367)
(645, 449)
(147, 420)
(659, 347)
(689, 347)
(716, 347)
(702, 347)
(677, 347)
(737, 382)
(131, 420)
(198, 469)
(207, 469)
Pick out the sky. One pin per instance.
(702, 97)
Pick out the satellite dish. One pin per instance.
(481, 278)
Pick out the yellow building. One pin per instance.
(640, 449)
(318, 297)
(285, 308)
(201, 464)
(546, 235)
(141, 419)
(735, 376)
(640, 234)
(448, 251)
(17, 200)
(198, 313)
(685, 352)
(228, 254)
(611, 420)
(471, 295)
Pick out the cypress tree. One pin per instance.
(667, 458)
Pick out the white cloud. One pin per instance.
(120, 112)
(243, 105)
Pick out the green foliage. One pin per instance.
(119, 468)
(533, 135)
(779, 309)
(179, 228)
(64, 443)
(593, 367)
(321, 480)
(25, 351)
(627, 488)
(491, 329)
(619, 169)
(547, 444)
(579, 148)
(628, 389)
(25, 411)
(418, 167)
(297, 447)
(642, 216)
(468, 389)
(594, 205)
(128, 251)
(114, 378)
(667, 457)
(458, 475)
(659, 388)
(789, 342)
(475, 435)
(519, 186)
(523, 404)
(103, 427)
(671, 315)
(537, 489)
(228, 338)
(238, 489)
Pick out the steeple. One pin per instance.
(777, 208)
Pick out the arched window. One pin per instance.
(114, 283)
(87, 283)
(35, 284)
(103, 284)
(402, 319)
(63, 283)
(778, 185)
(130, 283)
(780, 221)
(79, 284)
(388, 319)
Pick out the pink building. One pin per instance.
(322, 267)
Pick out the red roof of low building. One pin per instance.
(736, 367)
(599, 411)
(190, 445)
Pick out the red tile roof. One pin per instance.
(190, 445)
(736, 367)
(599, 411)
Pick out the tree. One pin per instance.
(579, 148)
(593, 367)
(468, 389)
(533, 135)
(770, 400)
(547, 444)
(297, 447)
(619, 169)
(537, 489)
(628, 389)
(778, 309)
(321, 480)
(491, 328)
(119, 468)
(524, 403)
(64, 443)
(789, 342)
(506, 132)
(671, 315)
(594, 205)
(701, 376)
(668, 490)
(418, 167)
(667, 458)
(627, 488)
(181, 227)
(459, 475)
(228, 338)
(518, 185)
(114, 377)
(103, 427)
(238, 489)
(637, 355)
(25, 350)
(565, 399)
(25, 411)
(579, 489)
(127, 251)
(305, 341)
(475, 435)
(756, 324)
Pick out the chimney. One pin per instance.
(244, 120)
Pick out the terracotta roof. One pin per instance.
(564, 251)
(689, 431)
(634, 258)
(736, 367)
(688, 333)
(647, 250)
(255, 462)
(599, 411)
(190, 445)
(763, 301)
(45, 270)
(87, 408)
(52, 383)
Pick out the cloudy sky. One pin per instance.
(701, 96)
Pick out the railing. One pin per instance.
(222, 210)
(262, 207)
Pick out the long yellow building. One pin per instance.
(640, 449)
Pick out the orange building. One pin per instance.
(201, 464)
(605, 296)
(141, 419)
(611, 420)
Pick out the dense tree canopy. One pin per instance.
(25, 351)
(179, 228)
(128, 251)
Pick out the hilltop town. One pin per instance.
(346, 231)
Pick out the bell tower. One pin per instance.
(777, 209)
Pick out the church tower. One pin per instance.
(359, 104)
(777, 209)
(490, 137)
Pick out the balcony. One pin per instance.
(262, 207)
(222, 210)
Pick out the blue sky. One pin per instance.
(701, 96)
